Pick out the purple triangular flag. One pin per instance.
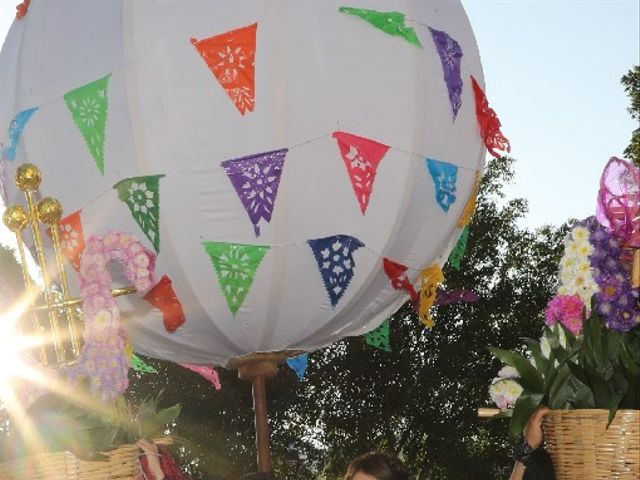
(450, 56)
(256, 178)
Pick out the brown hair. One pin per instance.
(381, 466)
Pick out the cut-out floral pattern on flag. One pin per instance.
(489, 123)
(379, 338)
(164, 298)
(15, 132)
(389, 22)
(431, 278)
(139, 365)
(206, 371)
(361, 157)
(142, 196)
(89, 106)
(334, 256)
(72, 238)
(231, 58)
(450, 57)
(445, 176)
(397, 274)
(470, 207)
(256, 179)
(456, 296)
(236, 265)
(299, 364)
(455, 257)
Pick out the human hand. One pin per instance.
(533, 431)
(153, 458)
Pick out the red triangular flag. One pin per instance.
(489, 123)
(397, 273)
(72, 238)
(164, 299)
(231, 57)
(361, 157)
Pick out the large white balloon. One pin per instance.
(180, 105)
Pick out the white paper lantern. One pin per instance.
(349, 109)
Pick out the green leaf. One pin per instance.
(525, 406)
(156, 424)
(560, 391)
(530, 378)
(628, 362)
(602, 392)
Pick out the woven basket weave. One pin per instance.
(121, 465)
(583, 448)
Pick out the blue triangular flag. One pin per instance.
(299, 364)
(445, 176)
(335, 261)
(15, 132)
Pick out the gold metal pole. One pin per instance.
(16, 219)
(116, 292)
(42, 261)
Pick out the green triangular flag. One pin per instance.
(455, 257)
(379, 338)
(389, 22)
(142, 196)
(236, 265)
(89, 105)
(139, 365)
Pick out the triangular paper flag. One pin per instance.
(335, 261)
(470, 207)
(205, 371)
(15, 132)
(455, 257)
(445, 176)
(379, 338)
(456, 296)
(450, 57)
(72, 238)
(139, 365)
(89, 106)
(431, 278)
(235, 265)
(397, 274)
(231, 58)
(22, 9)
(389, 22)
(163, 297)
(299, 364)
(489, 123)
(361, 156)
(142, 196)
(256, 179)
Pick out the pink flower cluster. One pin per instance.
(103, 358)
(569, 310)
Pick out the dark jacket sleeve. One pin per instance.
(539, 466)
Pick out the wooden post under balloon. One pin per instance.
(635, 272)
(257, 368)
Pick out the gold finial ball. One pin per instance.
(49, 211)
(28, 177)
(15, 218)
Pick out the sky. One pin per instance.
(552, 71)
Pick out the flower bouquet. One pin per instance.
(586, 365)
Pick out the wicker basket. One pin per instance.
(122, 465)
(583, 448)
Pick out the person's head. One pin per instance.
(377, 466)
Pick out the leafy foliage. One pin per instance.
(631, 83)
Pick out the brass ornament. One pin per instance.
(28, 177)
(49, 211)
(16, 218)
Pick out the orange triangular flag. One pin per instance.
(231, 57)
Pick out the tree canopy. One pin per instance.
(631, 83)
